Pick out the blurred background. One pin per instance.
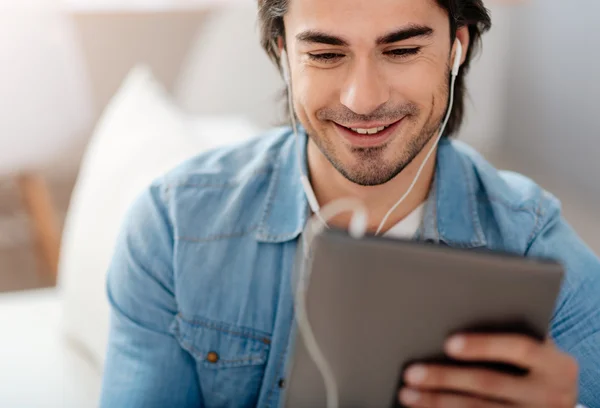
(98, 97)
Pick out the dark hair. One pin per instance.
(470, 13)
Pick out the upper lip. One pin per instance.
(365, 125)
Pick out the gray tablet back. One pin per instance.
(377, 304)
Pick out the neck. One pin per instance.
(329, 185)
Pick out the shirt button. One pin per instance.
(212, 357)
(282, 383)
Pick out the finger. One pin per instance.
(520, 351)
(419, 399)
(483, 383)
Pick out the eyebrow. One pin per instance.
(405, 33)
(320, 37)
(402, 34)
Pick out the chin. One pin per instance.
(368, 166)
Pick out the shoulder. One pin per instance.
(221, 192)
(228, 164)
(517, 206)
(522, 217)
(508, 188)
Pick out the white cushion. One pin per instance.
(141, 135)
(39, 368)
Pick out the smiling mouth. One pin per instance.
(368, 137)
(368, 131)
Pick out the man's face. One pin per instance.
(375, 66)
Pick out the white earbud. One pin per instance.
(285, 67)
(457, 58)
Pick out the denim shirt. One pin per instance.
(200, 284)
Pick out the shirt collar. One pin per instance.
(451, 212)
(286, 209)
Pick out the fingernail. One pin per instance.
(456, 345)
(416, 374)
(409, 397)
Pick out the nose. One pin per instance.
(365, 90)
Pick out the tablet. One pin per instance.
(378, 304)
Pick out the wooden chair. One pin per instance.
(44, 222)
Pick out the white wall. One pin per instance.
(484, 126)
(554, 90)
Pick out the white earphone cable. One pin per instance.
(416, 178)
(315, 226)
(308, 191)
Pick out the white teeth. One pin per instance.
(371, 131)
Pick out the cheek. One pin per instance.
(416, 85)
(315, 91)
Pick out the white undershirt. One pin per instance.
(408, 227)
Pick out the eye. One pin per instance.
(327, 57)
(403, 52)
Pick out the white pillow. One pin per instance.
(141, 135)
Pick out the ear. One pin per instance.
(462, 35)
(280, 44)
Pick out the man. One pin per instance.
(200, 284)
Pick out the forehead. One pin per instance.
(354, 19)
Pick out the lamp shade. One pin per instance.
(45, 98)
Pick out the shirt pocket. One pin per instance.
(230, 360)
